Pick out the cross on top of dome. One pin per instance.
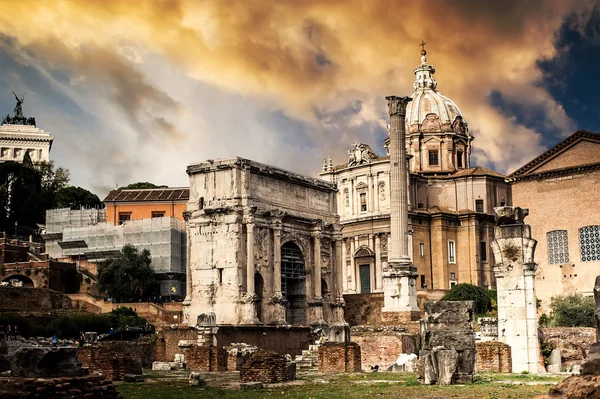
(424, 72)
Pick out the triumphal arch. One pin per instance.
(264, 246)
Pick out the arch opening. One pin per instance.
(293, 283)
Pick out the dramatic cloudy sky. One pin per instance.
(136, 90)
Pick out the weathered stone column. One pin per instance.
(250, 298)
(338, 330)
(277, 300)
(378, 270)
(399, 278)
(515, 269)
(316, 304)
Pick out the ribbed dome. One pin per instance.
(426, 100)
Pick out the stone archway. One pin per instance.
(293, 283)
(20, 279)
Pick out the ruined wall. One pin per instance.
(32, 299)
(381, 346)
(111, 362)
(267, 367)
(280, 340)
(339, 358)
(168, 340)
(573, 342)
(493, 356)
(201, 358)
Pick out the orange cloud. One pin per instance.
(307, 55)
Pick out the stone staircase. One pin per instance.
(309, 359)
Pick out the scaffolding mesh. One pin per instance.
(163, 237)
(59, 219)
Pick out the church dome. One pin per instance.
(429, 111)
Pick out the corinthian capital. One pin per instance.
(397, 105)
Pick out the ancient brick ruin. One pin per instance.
(267, 367)
(493, 356)
(339, 358)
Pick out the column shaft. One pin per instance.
(250, 258)
(317, 265)
(277, 260)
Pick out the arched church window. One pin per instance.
(558, 247)
(589, 243)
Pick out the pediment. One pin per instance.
(361, 186)
(580, 149)
(430, 138)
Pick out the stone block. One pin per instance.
(195, 380)
(133, 378)
(251, 385)
(161, 366)
(554, 362)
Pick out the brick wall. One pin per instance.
(201, 358)
(267, 367)
(382, 348)
(339, 358)
(111, 361)
(32, 299)
(92, 387)
(573, 342)
(493, 356)
(168, 340)
(291, 340)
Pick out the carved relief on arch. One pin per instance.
(298, 239)
(431, 123)
(261, 242)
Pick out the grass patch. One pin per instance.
(328, 386)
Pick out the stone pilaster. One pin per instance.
(399, 278)
(515, 269)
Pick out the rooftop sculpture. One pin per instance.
(18, 118)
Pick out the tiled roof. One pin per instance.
(552, 152)
(151, 194)
(477, 171)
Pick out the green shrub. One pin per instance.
(572, 310)
(467, 292)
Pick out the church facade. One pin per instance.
(451, 222)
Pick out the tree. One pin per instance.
(141, 185)
(572, 310)
(128, 277)
(467, 292)
(76, 198)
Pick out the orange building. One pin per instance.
(137, 204)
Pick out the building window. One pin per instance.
(158, 214)
(452, 276)
(423, 285)
(124, 216)
(589, 242)
(479, 205)
(451, 252)
(558, 247)
(502, 203)
(459, 159)
(433, 157)
(220, 272)
(201, 203)
(483, 249)
(422, 250)
(363, 202)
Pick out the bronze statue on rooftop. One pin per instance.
(18, 118)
